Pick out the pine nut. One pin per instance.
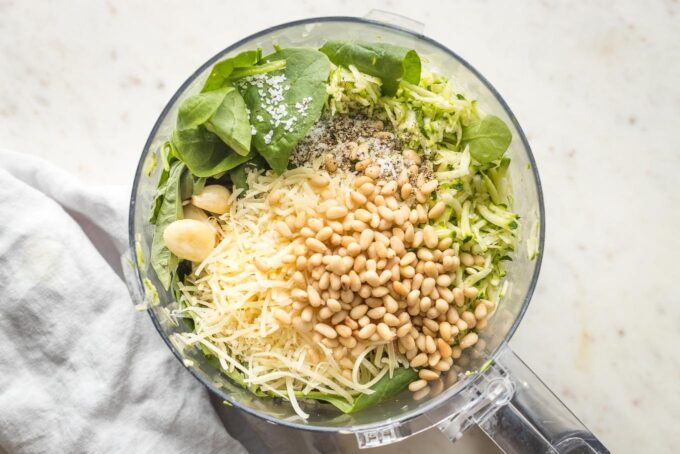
(366, 239)
(386, 213)
(385, 332)
(466, 259)
(419, 360)
(358, 311)
(427, 286)
(362, 215)
(429, 187)
(315, 245)
(324, 234)
(417, 385)
(434, 358)
(480, 312)
(333, 305)
(325, 330)
(367, 331)
(424, 254)
(324, 313)
(445, 332)
(399, 288)
(417, 239)
(313, 296)
(470, 292)
(444, 280)
(319, 181)
(391, 320)
(430, 237)
(437, 210)
(432, 325)
(469, 340)
(336, 212)
(413, 297)
(343, 331)
(358, 198)
(338, 317)
(409, 344)
(389, 189)
(404, 329)
(458, 296)
(430, 345)
(377, 313)
(427, 374)
(430, 269)
(444, 348)
(423, 393)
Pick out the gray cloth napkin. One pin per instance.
(80, 369)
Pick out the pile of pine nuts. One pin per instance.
(369, 268)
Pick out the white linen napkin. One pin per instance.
(80, 369)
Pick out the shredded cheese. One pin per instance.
(232, 301)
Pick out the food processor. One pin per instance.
(491, 387)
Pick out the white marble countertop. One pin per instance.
(595, 86)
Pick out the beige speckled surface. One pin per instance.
(595, 86)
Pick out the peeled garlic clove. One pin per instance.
(213, 198)
(195, 213)
(190, 239)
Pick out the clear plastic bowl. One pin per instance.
(476, 398)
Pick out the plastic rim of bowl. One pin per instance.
(435, 402)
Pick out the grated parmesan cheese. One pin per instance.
(232, 302)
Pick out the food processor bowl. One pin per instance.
(498, 392)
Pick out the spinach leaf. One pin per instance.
(388, 62)
(199, 184)
(167, 157)
(203, 152)
(223, 112)
(221, 71)
(162, 260)
(230, 122)
(338, 402)
(158, 196)
(285, 104)
(385, 388)
(238, 175)
(198, 109)
(487, 139)
(240, 73)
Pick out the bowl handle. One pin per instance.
(520, 414)
(395, 19)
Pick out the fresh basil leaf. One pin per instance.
(385, 388)
(198, 109)
(203, 152)
(285, 104)
(388, 62)
(162, 260)
(487, 139)
(221, 71)
(230, 121)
